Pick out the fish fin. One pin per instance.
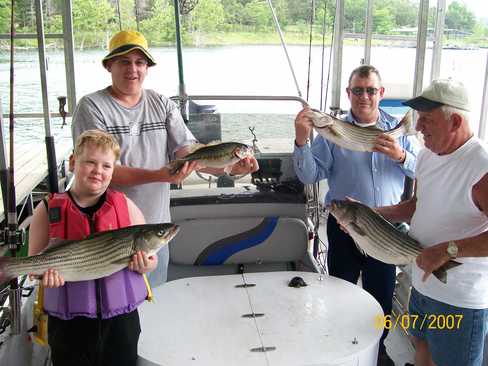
(195, 147)
(407, 124)
(441, 272)
(320, 119)
(357, 229)
(213, 142)
(228, 169)
(175, 165)
(361, 250)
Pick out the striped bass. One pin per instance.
(378, 238)
(352, 137)
(220, 155)
(96, 256)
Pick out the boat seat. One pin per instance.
(217, 246)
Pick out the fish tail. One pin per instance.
(407, 123)
(4, 273)
(441, 272)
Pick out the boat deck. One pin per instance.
(31, 166)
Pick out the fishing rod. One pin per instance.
(3, 163)
(323, 98)
(283, 44)
(12, 236)
(118, 12)
(179, 52)
(312, 16)
(312, 190)
(49, 138)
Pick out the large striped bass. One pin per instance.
(220, 155)
(352, 137)
(378, 238)
(96, 256)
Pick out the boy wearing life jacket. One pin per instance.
(91, 322)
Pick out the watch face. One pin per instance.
(452, 249)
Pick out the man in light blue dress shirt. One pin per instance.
(376, 179)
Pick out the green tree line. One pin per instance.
(95, 20)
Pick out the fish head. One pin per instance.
(243, 151)
(153, 237)
(320, 119)
(343, 211)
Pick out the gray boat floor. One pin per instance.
(399, 347)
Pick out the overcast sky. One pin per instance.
(478, 7)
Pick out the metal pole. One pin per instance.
(419, 73)
(3, 164)
(69, 55)
(438, 35)
(12, 224)
(179, 52)
(337, 56)
(49, 139)
(484, 108)
(421, 46)
(369, 33)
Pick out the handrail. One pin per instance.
(246, 98)
(31, 35)
(36, 115)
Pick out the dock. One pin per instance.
(30, 166)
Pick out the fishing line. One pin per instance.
(330, 63)
(312, 15)
(324, 29)
(278, 29)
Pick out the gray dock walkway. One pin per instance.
(31, 166)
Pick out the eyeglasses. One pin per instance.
(124, 62)
(358, 91)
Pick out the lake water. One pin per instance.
(231, 70)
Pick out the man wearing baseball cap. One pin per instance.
(448, 216)
(149, 129)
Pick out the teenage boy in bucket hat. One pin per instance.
(448, 216)
(149, 129)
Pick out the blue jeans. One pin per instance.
(455, 335)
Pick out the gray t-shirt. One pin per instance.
(149, 134)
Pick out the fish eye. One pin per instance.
(160, 233)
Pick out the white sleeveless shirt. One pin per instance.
(445, 211)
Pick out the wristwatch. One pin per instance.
(452, 249)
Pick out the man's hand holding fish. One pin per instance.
(303, 126)
(142, 263)
(217, 158)
(389, 146)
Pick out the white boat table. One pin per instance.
(209, 321)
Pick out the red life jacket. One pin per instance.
(122, 291)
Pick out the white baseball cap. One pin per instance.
(441, 92)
